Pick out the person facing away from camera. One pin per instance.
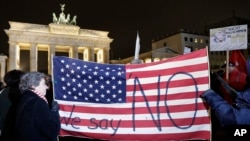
(9, 100)
(35, 120)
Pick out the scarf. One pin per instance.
(40, 95)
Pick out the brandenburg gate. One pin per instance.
(62, 35)
(94, 45)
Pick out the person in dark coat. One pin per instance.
(9, 101)
(35, 120)
(4, 107)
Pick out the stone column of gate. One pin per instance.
(106, 55)
(2, 70)
(14, 56)
(33, 57)
(73, 52)
(91, 54)
(51, 53)
(3, 66)
(86, 54)
(100, 55)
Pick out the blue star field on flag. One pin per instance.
(92, 82)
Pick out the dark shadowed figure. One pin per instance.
(10, 103)
(49, 94)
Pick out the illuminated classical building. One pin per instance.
(62, 36)
(3, 59)
(92, 44)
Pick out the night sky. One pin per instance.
(123, 18)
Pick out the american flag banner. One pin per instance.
(151, 101)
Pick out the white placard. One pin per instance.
(228, 38)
